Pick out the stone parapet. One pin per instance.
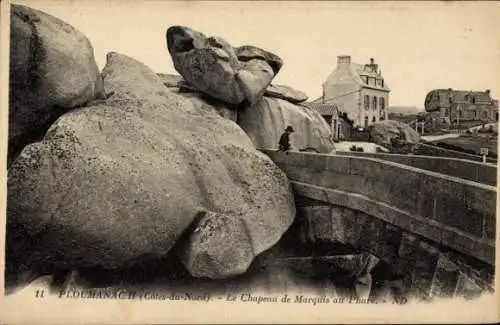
(453, 212)
(461, 168)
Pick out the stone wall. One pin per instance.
(370, 112)
(461, 168)
(432, 150)
(422, 269)
(453, 212)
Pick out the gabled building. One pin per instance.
(341, 126)
(449, 105)
(359, 90)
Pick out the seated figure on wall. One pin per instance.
(284, 143)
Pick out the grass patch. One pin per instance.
(471, 144)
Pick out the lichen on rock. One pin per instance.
(116, 181)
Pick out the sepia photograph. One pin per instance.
(319, 160)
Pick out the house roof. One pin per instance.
(325, 109)
(357, 70)
(462, 95)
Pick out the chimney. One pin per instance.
(487, 91)
(371, 67)
(343, 60)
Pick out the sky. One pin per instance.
(418, 45)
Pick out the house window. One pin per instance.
(382, 82)
(367, 102)
(375, 101)
(382, 103)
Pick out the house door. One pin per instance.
(366, 121)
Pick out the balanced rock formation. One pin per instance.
(122, 180)
(286, 93)
(213, 66)
(394, 135)
(265, 121)
(52, 70)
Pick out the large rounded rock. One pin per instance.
(286, 93)
(394, 135)
(224, 109)
(213, 66)
(265, 121)
(122, 180)
(52, 69)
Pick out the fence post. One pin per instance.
(484, 152)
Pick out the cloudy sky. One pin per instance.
(418, 45)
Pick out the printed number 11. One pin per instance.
(39, 294)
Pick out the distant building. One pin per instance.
(451, 106)
(359, 90)
(341, 126)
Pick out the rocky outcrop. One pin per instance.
(209, 103)
(52, 70)
(170, 80)
(394, 135)
(265, 121)
(122, 180)
(286, 93)
(213, 66)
